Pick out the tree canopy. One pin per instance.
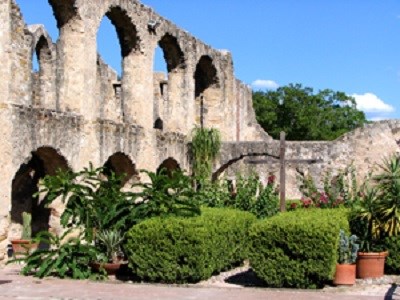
(305, 115)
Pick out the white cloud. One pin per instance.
(264, 84)
(370, 103)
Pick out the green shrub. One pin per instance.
(298, 248)
(392, 263)
(177, 250)
(249, 194)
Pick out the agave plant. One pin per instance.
(388, 184)
(110, 241)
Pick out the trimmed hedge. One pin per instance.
(297, 249)
(178, 250)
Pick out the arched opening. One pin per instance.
(121, 165)
(115, 29)
(44, 161)
(64, 11)
(169, 166)
(159, 124)
(42, 75)
(207, 93)
(169, 63)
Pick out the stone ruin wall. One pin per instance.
(75, 110)
(363, 148)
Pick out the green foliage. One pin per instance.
(364, 221)
(297, 249)
(348, 248)
(92, 203)
(305, 115)
(248, 195)
(388, 185)
(377, 215)
(338, 190)
(177, 250)
(26, 226)
(109, 242)
(215, 194)
(392, 263)
(70, 258)
(206, 144)
(166, 196)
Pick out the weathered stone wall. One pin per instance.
(364, 148)
(75, 110)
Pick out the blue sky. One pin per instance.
(350, 46)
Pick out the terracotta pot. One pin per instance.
(23, 247)
(345, 274)
(371, 264)
(110, 268)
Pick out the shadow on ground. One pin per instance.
(246, 279)
(391, 292)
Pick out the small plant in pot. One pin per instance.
(347, 254)
(365, 221)
(25, 244)
(109, 243)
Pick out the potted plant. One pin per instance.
(25, 244)
(109, 243)
(366, 222)
(347, 251)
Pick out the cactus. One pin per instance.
(348, 248)
(26, 226)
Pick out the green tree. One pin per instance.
(305, 115)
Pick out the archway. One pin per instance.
(169, 165)
(113, 82)
(42, 73)
(169, 66)
(44, 161)
(121, 165)
(207, 93)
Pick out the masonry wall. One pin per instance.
(74, 109)
(364, 148)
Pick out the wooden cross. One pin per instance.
(282, 171)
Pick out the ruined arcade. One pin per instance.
(76, 110)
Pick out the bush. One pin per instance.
(392, 263)
(249, 194)
(297, 249)
(177, 250)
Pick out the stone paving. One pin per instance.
(15, 286)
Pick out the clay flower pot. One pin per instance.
(371, 264)
(345, 274)
(110, 268)
(23, 246)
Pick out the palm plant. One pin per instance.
(364, 220)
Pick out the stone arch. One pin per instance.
(115, 91)
(43, 161)
(64, 11)
(43, 80)
(170, 165)
(207, 93)
(173, 54)
(120, 164)
(169, 90)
